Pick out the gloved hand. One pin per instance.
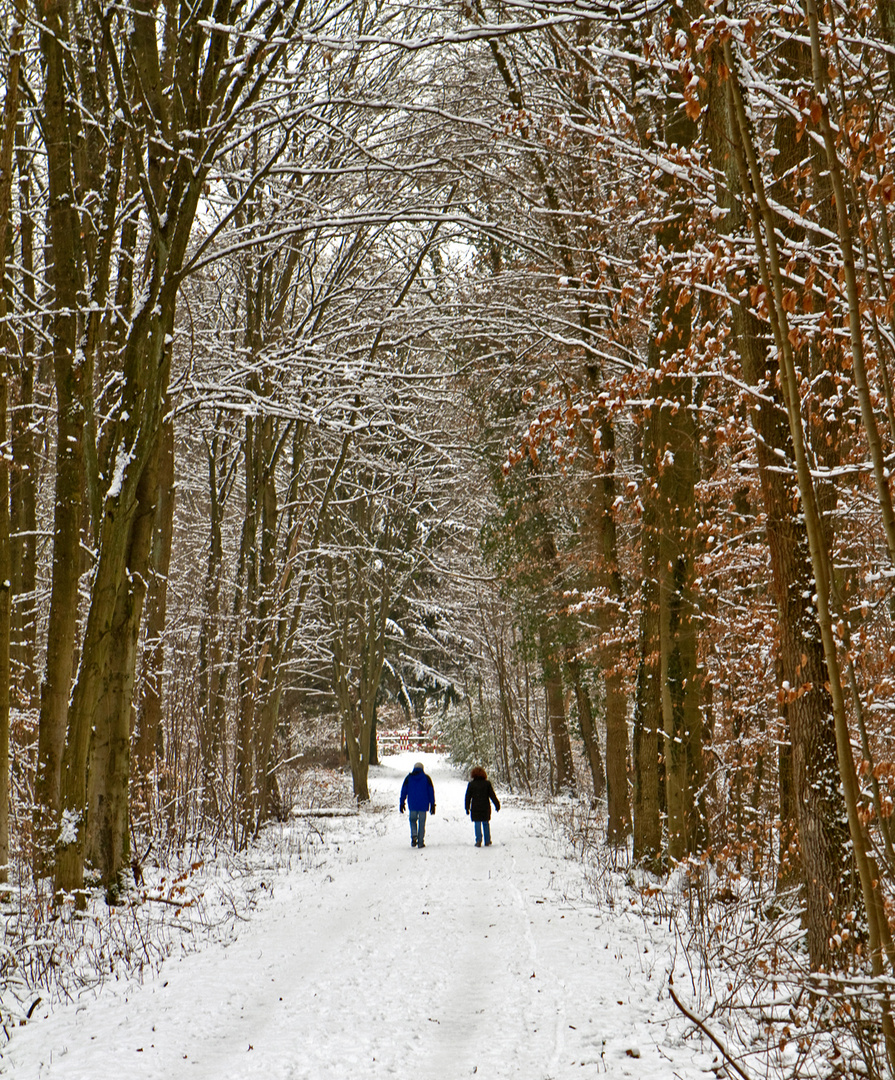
(402, 809)
(433, 811)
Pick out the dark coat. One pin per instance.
(418, 792)
(479, 796)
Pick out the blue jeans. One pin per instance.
(417, 827)
(480, 827)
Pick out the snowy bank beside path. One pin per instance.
(385, 961)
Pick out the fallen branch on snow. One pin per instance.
(705, 1030)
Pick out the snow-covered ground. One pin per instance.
(385, 961)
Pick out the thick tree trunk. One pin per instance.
(670, 464)
(102, 706)
(267, 723)
(358, 761)
(244, 751)
(108, 654)
(374, 742)
(669, 492)
(358, 660)
(108, 764)
(63, 616)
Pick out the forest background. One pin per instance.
(520, 368)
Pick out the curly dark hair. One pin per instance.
(478, 773)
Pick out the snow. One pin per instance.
(68, 831)
(122, 460)
(383, 961)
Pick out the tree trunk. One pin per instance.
(670, 475)
(564, 774)
(763, 225)
(108, 764)
(681, 717)
(811, 804)
(618, 803)
(109, 650)
(7, 144)
(20, 402)
(64, 230)
(648, 752)
(211, 674)
(148, 741)
(374, 742)
(588, 733)
(23, 485)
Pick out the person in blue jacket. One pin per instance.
(418, 793)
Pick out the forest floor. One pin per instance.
(377, 960)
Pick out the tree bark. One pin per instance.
(670, 473)
(564, 772)
(102, 704)
(647, 749)
(7, 143)
(588, 732)
(148, 743)
(762, 222)
(23, 485)
(211, 674)
(606, 574)
(64, 231)
(810, 801)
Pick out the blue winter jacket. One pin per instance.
(418, 791)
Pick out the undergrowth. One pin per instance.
(740, 965)
(187, 892)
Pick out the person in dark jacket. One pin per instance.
(479, 796)
(418, 793)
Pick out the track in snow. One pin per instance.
(386, 961)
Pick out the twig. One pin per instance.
(702, 1027)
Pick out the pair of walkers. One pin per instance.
(418, 795)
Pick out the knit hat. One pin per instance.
(418, 765)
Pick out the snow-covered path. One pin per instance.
(385, 961)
